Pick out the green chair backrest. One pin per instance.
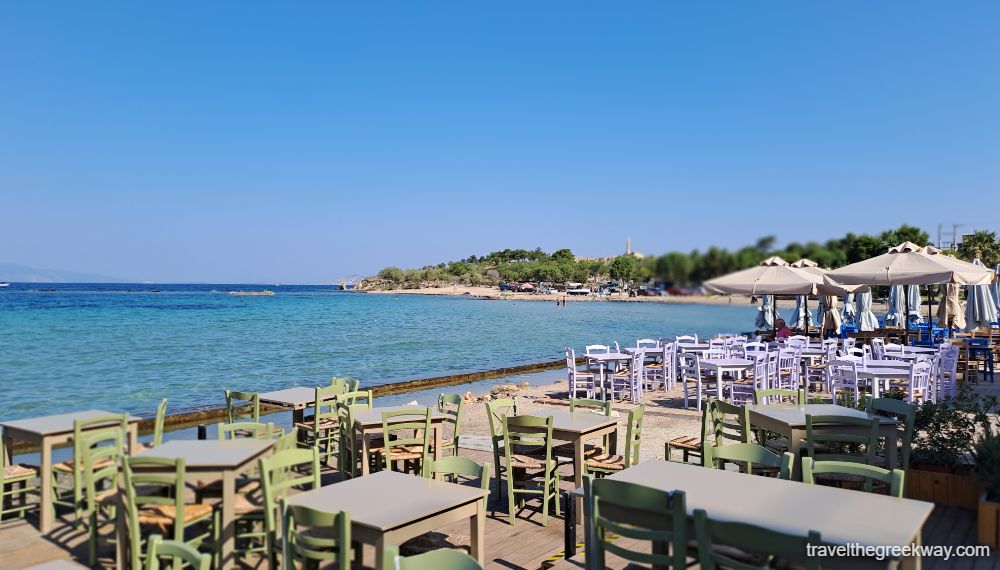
(906, 414)
(242, 406)
(108, 425)
(457, 466)
(750, 454)
(450, 405)
(348, 444)
(627, 510)
(282, 471)
(496, 411)
(751, 539)
(345, 384)
(893, 479)
(161, 416)
(163, 484)
(603, 406)
(314, 548)
(361, 398)
(633, 435)
(527, 433)
(325, 405)
(175, 551)
(101, 451)
(840, 440)
(288, 441)
(434, 560)
(779, 396)
(249, 430)
(728, 423)
(415, 429)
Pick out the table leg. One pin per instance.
(911, 562)
(718, 383)
(795, 437)
(380, 552)
(365, 445)
(578, 474)
(47, 511)
(477, 534)
(697, 393)
(8, 451)
(891, 444)
(228, 535)
(133, 437)
(569, 530)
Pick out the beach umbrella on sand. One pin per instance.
(867, 321)
(848, 313)
(950, 313)
(910, 264)
(913, 304)
(894, 306)
(765, 313)
(802, 314)
(980, 308)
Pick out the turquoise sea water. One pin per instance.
(122, 347)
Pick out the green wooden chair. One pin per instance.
(601, 464)
(73, 495)
(279, 473)
(407, 441)
(770, 545)
(101, 452)
(749, 455)
(906, 414)
(834, 443)
(457, 468)
(496, 410)
(450, 405)
(242, 406)
(349, 446)
(776, 396)
(689, 446)
(527, 445)
(155, 498)
(621, 509)
(321, 430)
(308, 535)
(289, 440)
(248, 430)
(17, 483)
(434, 560)
(360, 398)
(345, 384)
(175, 552)
(894, 480)
(161, 417)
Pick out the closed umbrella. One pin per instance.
(848, 313)
(867, 321)
(913, 304)
(829, 312)
(802, 314)
(995, 287)
(980, 309)
(894, 314)
(950, 313)
(765, 313)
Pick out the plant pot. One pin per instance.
(989, 520)
(946, 489)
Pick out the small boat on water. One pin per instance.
(4, 284)
(264, 293)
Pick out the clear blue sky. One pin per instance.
(300, 142)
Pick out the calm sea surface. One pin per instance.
(122, 347)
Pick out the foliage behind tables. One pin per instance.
(946, 432)
(987, 456)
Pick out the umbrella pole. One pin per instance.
(906, 316)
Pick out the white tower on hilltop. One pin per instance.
(628, 246)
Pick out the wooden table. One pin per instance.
(577, 428)
(733, 366)
(790, 422)
(602, 360)
(368, 422)
(49, 432)
(388, 508)
(215, 460)
(882, 373)
(296, 399)
(841, 516)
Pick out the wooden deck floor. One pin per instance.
(527, 544)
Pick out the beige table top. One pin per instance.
(61, 564)
(883, 372)
(841, 516)
(726, 363)
(210, 453)
(388, 499)
(372, 417)
(56, 424)
(795, 416)
(576, 422)
(290, 397)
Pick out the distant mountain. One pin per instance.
(12, 272)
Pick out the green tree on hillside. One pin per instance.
(981, 244)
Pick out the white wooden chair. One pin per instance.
(647, 343)
(578, 380)
(689, 372)
(944, 373)
(878, 348)
(789, 364)
(752, 348)
(843, 376)
(919, 389)
(687, 339)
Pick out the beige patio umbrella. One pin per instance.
(910, 264)
(950, 312)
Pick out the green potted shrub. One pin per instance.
(987, 471)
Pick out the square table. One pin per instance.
(841, 516)
(734, 366)
(789, 421)
(216, 460)
(602, 360)
(882, 372)
(49, 432)
(296, 399)
(368, 422)
(576, 428)
(389, 507)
